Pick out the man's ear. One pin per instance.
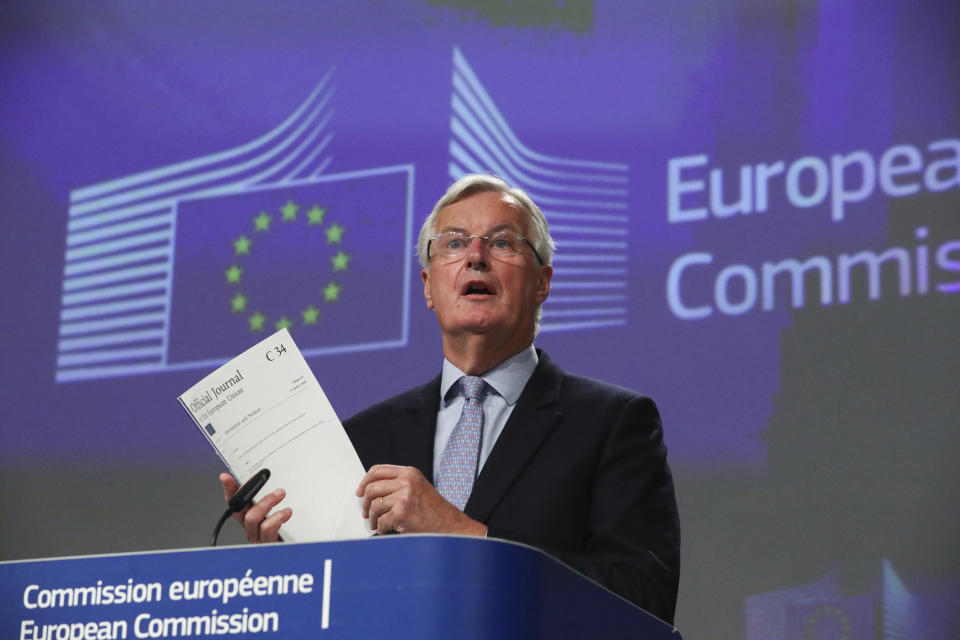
(544, 274)
(426, 288)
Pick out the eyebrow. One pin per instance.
(491, 230)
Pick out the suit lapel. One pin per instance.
(412, 429)
(532, 420)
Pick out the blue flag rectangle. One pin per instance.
(329, 258)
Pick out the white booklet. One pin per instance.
(265, 408)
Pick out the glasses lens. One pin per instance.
(503, 243)
(454, 244)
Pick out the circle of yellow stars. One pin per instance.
(289, 213)
(824, 611)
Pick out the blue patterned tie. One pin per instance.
(458, 465)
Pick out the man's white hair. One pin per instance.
(474, 183)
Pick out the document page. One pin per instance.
(265, 408)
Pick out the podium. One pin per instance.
(410, 586)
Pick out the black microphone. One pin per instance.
(243, 497)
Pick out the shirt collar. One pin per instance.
(507, 378)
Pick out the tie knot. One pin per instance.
(471, 386)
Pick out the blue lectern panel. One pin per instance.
(410, 587)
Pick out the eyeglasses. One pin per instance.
(453, 245)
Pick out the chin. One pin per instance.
(476, 323)
(476, 327)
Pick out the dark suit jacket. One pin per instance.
(579, 471)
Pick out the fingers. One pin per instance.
(378, 483)
(270, 528)
(377, 486)
(256, 525)
(379, 511)
(260, 528)
(388, 492)
(230, 486)
(377, 490)
(378, 472)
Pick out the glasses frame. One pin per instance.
(469, 240)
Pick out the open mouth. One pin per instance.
(477, 289)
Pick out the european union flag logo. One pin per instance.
(181, 266)
(818, 610)
(851, 618)
(210, 430)
(328, 258)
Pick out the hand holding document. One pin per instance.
(265, 408)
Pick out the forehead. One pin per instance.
(482, 212)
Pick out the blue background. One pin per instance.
(808, 442)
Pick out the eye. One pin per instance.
(502, 243)
(454, 244)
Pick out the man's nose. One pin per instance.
(477, 257)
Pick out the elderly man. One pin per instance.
(503, 443)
